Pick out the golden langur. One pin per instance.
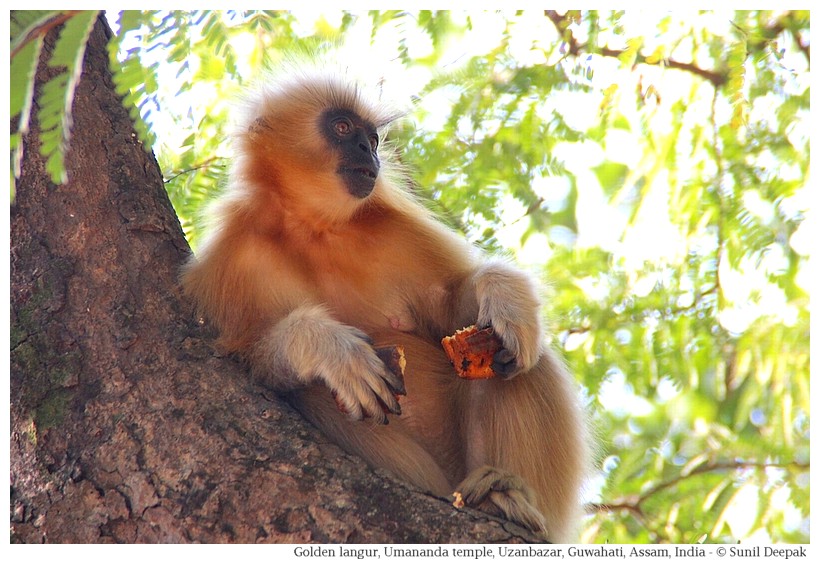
(317, 254)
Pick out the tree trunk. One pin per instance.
(125, 424)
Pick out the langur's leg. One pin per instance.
(503, 494)
(531, 431)
(389, 447)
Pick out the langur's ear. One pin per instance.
(259, 125)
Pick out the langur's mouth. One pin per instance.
(360, 180)
(359, 171)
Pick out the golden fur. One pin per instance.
(299, 276)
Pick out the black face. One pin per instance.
(357, 142)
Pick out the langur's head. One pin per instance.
(313, 139)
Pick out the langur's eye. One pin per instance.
(342, 127)
(374, 142)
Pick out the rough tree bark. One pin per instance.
(125, 424)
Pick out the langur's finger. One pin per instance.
(393, 358)
(505, 364)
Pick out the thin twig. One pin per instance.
(633, 504)
(804, 47)
(574, 48)
(204, 164)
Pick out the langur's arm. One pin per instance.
(265, 311)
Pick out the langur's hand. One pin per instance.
(308, 347)
(507, 302)
(360, 382)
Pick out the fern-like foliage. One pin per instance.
(135, 81)
(25, 50)
(55, 99)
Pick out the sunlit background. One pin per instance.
(677, 292)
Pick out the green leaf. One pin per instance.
(70, 47)
(23, 68)
(630, 54)
(611, 175)
(54, 114)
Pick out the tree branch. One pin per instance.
(633, 504)
(574, 48)
(716, 467)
